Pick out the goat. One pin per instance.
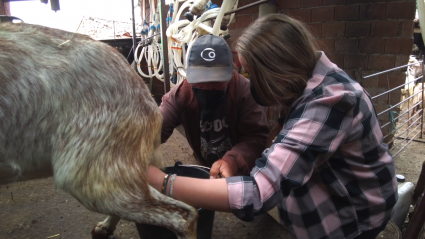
(413, 71)
(416, 100)
(72, 107)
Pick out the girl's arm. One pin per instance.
(209, 194)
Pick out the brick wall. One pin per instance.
(372, 35)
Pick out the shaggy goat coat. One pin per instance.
(72, 107)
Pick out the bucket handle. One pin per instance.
(180, 164)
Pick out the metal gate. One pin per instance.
(402, 122)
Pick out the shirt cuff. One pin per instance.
(240, 208)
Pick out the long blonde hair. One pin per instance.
(281, 54)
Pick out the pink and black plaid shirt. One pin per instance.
(328, 171)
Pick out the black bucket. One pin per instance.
(205, 217)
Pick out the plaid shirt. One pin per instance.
(329, 172)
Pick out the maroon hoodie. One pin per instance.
(247, 122)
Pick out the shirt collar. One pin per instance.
(323, 67)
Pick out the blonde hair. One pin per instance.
(281, 54)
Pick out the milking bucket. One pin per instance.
(401, 208)
(205, 217)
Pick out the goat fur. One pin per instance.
(72, 107)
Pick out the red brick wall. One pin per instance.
(373, 35)
(353, 33)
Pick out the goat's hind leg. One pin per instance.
(158, 210)
(163, 211)
(106, 228)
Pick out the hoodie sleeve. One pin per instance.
(171, 112)
(253, 131)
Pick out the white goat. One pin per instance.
(73, 108)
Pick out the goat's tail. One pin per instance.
(157, 210)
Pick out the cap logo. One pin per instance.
(209, 54)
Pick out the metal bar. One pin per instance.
(408, 104)
(388, 109)
(409, 82)
(384, 137)
(395, 106)
(143, 14)
(164, 46)
(385, 125)
(419, 141)
(405, 122)
(404, 146)
(388, 101)
(395, 145)
(239, 9)
(386, 71)
(134, 32)
(390, 133)
(246, 6)
(195, 166)
(407, 135)
(396, 118)
(389, 122)
(388, 86)
(422, 81)
(401, 114)
(409, 109)
(408, 98)
(420, 112)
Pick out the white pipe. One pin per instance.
(205, 27)
(198, 7)
(216, 28)
(226, 19)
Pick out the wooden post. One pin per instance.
(134, 33)
(4, 8)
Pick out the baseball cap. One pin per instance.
(209, 60)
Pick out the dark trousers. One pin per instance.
(372, 234)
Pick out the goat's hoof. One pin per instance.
(100, 232)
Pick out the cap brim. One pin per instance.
(208, 74)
